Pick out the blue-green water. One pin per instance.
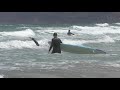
(21, 58)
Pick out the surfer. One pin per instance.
(69, 33)
(55, 44)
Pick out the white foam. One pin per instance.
(103, 24)
(1, 76)
(106, 39)
(116, 38)
(91, 30)
(96, 30)
(13, 44)
(97, 34)
(23, 33)
(76, 27)
(117, 23)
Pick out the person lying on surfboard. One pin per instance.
(69, 33)
(55, 44)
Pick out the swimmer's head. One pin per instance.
(55, 34)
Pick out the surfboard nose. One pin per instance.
(100, 51)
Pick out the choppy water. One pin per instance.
(20, 57)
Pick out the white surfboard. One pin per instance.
(79, 49)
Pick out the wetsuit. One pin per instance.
(69, 33)
(56, 45)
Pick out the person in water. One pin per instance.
(69, 33)
(55, 44)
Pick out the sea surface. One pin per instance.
(21, 58)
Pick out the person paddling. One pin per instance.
(69, 33)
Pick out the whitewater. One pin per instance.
(21, 58)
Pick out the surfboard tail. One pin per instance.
(35, 41)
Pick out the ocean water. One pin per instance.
(21, 58)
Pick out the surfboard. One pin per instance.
(79, 49)
(34, 41)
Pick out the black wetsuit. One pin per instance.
(56, 45)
